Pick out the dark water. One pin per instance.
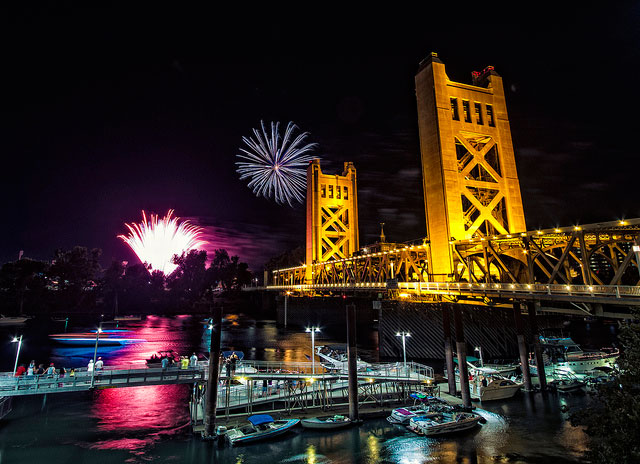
(143, 424)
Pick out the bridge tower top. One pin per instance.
(332, 215)
(470, 183)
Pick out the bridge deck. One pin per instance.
(287, 382)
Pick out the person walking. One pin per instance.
(193, 360)
(99, 364)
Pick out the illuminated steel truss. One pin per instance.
(596, 254)
(597, 262)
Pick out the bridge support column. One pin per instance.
(533, 323)
(461, 348)
(448, 348)
(522, 347)
(352, 355)
(212, 383)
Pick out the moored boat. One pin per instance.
(427, 404)
(326, 422)
(11, 320)
(443, 423)
(260, 427)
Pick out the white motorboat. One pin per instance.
(12, 320)
(443, 423)
(326, 423)
(565, 354)
(489, 385)
(567, 382)
(335, 359)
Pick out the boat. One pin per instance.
(326, 422)
(567, 382)
(443, 423)
(427, 404)
(127, 318)
(335, 359)
(565, 354)
(489, 385)
(12, 320)
(90, 339)
(260, 427)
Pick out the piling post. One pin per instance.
(461, 348)
(212, 383)
(352, 356)
(448, 348)
(533, 323)
(522, 346)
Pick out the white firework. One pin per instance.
(276, 165)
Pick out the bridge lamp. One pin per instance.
(312, 331)
(95, 353)
(404, 336)
(479, 350)
(19, 341)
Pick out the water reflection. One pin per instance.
(146, 423)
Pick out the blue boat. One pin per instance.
(260, 427)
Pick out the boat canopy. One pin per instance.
(227, 354)
(260, 419)
(469, 359)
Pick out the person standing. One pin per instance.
(193, 360)
(32, 367)
(21, 370)
(165, 363)
(51, 370)
(99, 364)
(233, 361)
(184, 362)
(90, 367)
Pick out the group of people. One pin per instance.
(183, 362)
(50, 371)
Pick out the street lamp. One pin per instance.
(19, 340)
(479, 350)
(312, 331)
(404, 336)
(95, 353)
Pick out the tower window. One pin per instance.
(466, 110)
(346, 193)
(490, 116)
(454, 109)
(331, 191)
(338, 192)
(323, 191)
(478, 107)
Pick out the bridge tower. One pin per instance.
(471, 186)
(332, 215)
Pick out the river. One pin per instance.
(151, 424)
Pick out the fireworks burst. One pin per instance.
(276, 165)
(156, 241)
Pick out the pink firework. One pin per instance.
(157, 241)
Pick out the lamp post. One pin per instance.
(312, 331)
(404, 336)
(19, 340)
(479, 350)
(95, 353)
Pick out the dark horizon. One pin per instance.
(108, 112)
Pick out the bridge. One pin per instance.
(293, 385)
(477, 248)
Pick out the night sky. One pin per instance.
(109, 111)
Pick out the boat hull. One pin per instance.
(318, 424)
(235, 440)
